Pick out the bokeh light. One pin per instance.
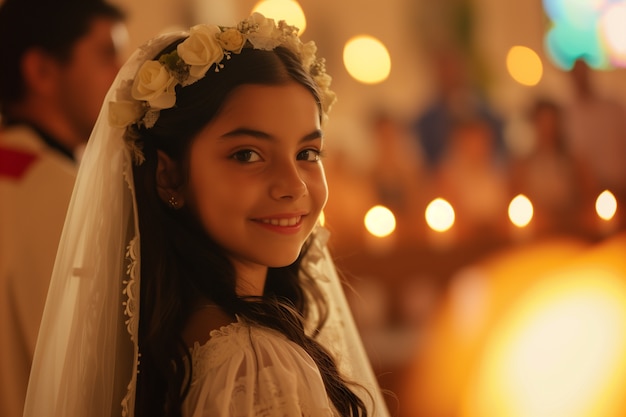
(558, 352)
(322, 219)
(380, 221)
(613, 32)
(520, 210)
(524, 65)
(287, 10)
(606, 205)
(366, 59)
(589, 29)
(439, 215)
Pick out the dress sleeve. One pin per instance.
(246, 371)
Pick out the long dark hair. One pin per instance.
(181, 263)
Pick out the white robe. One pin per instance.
(35, 187)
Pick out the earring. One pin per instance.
(173, 203)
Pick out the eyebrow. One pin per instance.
(242, 131)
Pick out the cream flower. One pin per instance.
(307, 54)
(323, 80)
(140, 100)
(231, 40)
(201, 50)
(289, 38)
(266, 35)
(155, 85)
(124, 113)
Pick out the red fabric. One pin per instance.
(15, 163)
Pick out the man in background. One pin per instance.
(58, 60)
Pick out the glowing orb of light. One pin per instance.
(380, 221)
(287, 10)
(524, 65)
(439, 215)
(558, 351)
(606, 205)
(366, 59)
(520, 210)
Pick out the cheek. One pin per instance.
(318, 188)
(217, 198)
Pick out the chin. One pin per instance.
(282, 261)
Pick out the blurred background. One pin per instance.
(476, 162)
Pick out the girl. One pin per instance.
(192, 278)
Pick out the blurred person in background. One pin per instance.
(557, 182)
(596, 132)
(457, 97)
(58, 61)
(473, 178)
(396, 171)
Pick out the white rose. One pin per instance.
(323, 80)
(155, 85)
(201, 50)
(232, 40)
(124, 113)
(266, 36)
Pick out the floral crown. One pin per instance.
(140, 100)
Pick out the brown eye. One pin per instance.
(311, 155)
(246, 155)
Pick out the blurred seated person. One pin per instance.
(556, 181)
(457, 97)
(396, 170)
(475, 180)
(596, 132)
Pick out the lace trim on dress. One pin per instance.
(274, 390)
(132, 300)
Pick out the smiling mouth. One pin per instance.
(284, 222)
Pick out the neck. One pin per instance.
(250, 279)
(46, 117)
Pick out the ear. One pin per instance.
(168, 181)
(40, 71)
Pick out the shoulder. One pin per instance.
(18, 151)
(24, 154)
(240, 344)
(203, 321)
(256, 370)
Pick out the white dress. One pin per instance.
(247, 370)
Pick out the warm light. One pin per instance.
(559, 352)
(366, 59)
(322, 219)
(614, 32)
(590, 29)
(439, 215)
(520, 211)
(287, 10)
(524, 65)
(380, 221)
(606, 205)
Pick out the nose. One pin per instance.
(287, 182)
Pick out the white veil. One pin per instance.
(86, 358)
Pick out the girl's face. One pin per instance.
(256, 181)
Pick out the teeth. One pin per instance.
(292, 221)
